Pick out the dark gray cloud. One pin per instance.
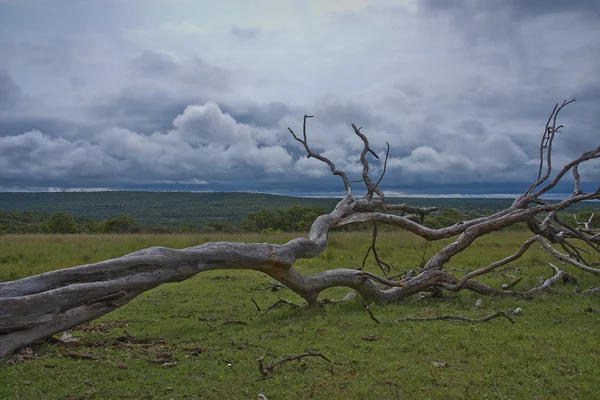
(266, 115)
(155, 64)
(590, 8)
(140, 109)
(13, 126)
(192, 73)
(461, 91)
(518, 8)
(10, 93)
(471, 126)
(159, 88)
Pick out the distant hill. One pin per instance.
(175, 208)
(155, 208)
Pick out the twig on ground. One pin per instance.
(82, 356)
(457, 317)
(369, 311)
(592, 290)
(278, 303)
(512, 284)
(272, 286)
(257, 307)
(265, 370)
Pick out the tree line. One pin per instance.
(64, 223)
(266, 221)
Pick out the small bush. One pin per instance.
(61, 223)
(271, 231)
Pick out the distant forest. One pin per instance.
(163, 212)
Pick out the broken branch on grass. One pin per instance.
(82, 356)
(257, 307)
(524, 247)
(558, 275)
(369, 311)
(272, 286)
(265, 370)
(512, 284)
(280, 302)
(592, 290)
(490, 317)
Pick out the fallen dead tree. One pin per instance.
(39, 306)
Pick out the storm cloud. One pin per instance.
(168, 96)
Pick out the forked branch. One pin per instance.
(319, 157)
(550, 130)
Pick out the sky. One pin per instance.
(197, 95)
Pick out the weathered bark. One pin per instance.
(39, 306)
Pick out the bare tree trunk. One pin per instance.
(39, 306)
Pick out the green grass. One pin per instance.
(209, 321)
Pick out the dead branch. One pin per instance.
(460, 284)
(265, 370)
(565, 258)
(592, 290)
(319, 157)
(384, 281)
(272, 286)
(280, 302)
(387, 154)
(547, 139)
(558, 275)
(81, 356)
(383, 266)
(586, 225)
(40, 306)
(368, 308)
(371, 188)
(457, 317)
(512, 284)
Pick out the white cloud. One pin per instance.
(426, 160)
(203, 144)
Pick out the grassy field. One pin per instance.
(200, 339)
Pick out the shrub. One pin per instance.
(60, 223)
